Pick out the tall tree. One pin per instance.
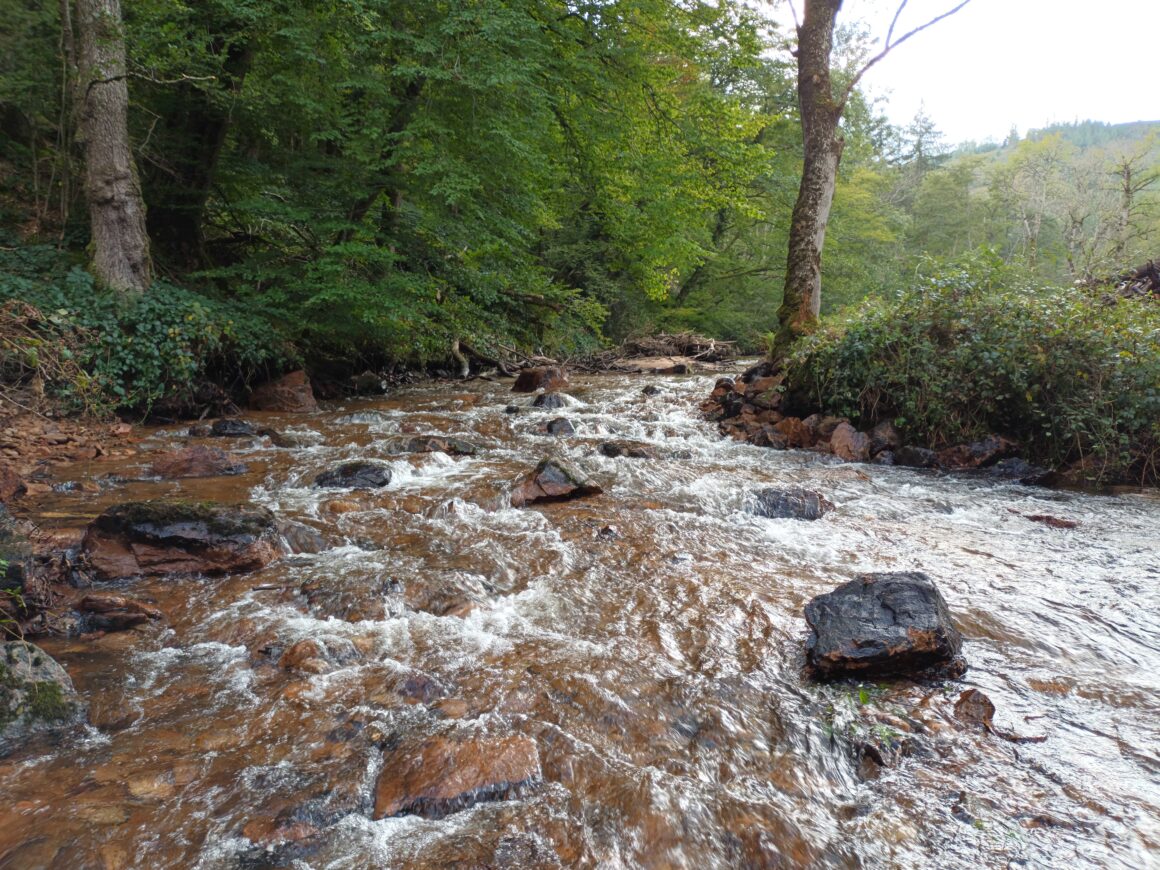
(120, 245)
(821, 105)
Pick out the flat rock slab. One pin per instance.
(157, 538)
(444, 774)
(883, 624)
(789, 504)
(553, 481)
(36, 695)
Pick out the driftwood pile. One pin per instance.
(682, 346)
(1144, 281)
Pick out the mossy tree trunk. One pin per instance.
(120, 245)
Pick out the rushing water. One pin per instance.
(649, 640)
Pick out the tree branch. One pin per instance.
(134, 75)
(891, 45)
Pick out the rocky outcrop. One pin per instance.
(791, 504)
(36, 695)
(360, 474)
(884, 624)
(290, 393)
(445, 774)
(547, 378)
(157, 538)
(196, 461)
(552, 481)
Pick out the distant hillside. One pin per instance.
(1082, 134)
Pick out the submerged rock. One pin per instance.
(550, 401)
(232, 428)
(196, 461)
(445, 774)
(883, 624)
(628, 449)
(155, 538)
(115, 613)
(541, 377)
(552, 481)
(360, 474)
(789, 504)
(434, 444)
(36, 695)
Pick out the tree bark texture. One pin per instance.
(120, 245)
(823, 142)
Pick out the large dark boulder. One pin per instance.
(36, 695)
(541, 377)
(552, 481)
(360, 474)
(550, 401)
(883, 624)
(788, 504)
(560, 426)
(156, 538)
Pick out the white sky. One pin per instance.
(1023, 62)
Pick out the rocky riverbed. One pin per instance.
(435, 629)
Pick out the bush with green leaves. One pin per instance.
(131, 351)
(974, 348)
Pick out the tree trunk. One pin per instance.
(822, 141)
(120, 246)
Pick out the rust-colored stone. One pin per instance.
(551, 481)
(850, 444)
(445, 774)
(196, 461)
(548, 378)
(290, 393)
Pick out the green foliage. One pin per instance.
(132, 350)
(975, 348)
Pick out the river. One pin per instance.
(649, 640)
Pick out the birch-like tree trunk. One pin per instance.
(120, 245)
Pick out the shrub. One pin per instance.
(98, 350)
(974, 349)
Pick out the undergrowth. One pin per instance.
(973, 349)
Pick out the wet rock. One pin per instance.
(560, 426)
(11, 484)
(975, 708)
(288, 440)
(290, 393)
(196, 461)
(977, 454)
(360, 474)
(200, 430)
(792, 504)
(676, 369)
(434, 444)
(915, 457)
(797, 435)
(882, 624)
(849, 444)
(886, 457)
(547, 378)
(550, 401)
(512, 409)
(651, 390)
(884, 437)
(824, 427)
(231, 427)
(301, 538)
(628, 449)
(367, 382)
(115, 613)
(445, 774)
(552, 481)
(1014, 468)
(156, 538)
(36, 695)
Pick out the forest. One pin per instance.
(367, 185)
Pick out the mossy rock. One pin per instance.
(36, 695)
